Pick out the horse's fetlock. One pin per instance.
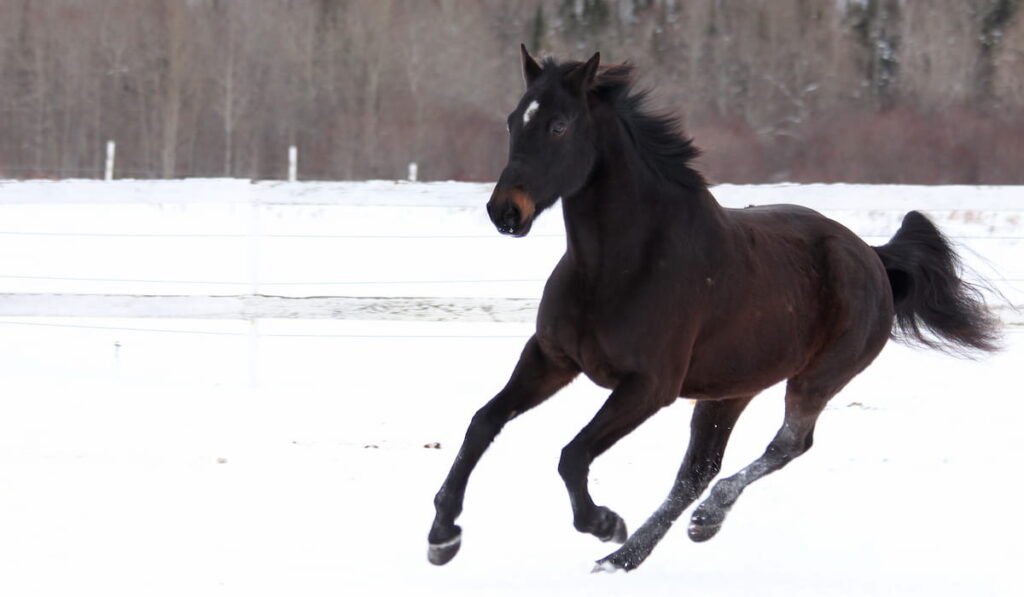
(725, 492)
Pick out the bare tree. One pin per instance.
(787, 89)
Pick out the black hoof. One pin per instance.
(609, 527)
(620, 534)
(702, 532)
(441, 553)
(706, 522)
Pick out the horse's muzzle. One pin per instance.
(511, 211)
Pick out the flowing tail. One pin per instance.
(935, 307)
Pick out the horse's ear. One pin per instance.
(531, 70)
(582, 77)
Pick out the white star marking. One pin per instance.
(530, 111)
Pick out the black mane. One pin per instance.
(657, 137)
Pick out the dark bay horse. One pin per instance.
(663, 293)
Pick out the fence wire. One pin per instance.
(105, 328)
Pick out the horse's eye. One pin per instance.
(558, 128)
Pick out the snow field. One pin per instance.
(232, 457)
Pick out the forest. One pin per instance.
(883, 91)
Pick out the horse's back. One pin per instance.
(798, 233)
(782, 220)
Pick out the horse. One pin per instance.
(662, 293)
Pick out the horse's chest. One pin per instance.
(585, 351)
(596, 363)
(572, 334)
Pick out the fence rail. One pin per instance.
(30, 309)
(499, 310)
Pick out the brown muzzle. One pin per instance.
(512, 211)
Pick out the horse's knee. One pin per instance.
(570, 463)
(486, 423)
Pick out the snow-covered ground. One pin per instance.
(169, 456)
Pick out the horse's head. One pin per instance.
(551, 143)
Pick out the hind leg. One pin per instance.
(793, 439)
(710, 428)
(860, 306)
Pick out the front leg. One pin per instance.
(535, 379)
(632, 402)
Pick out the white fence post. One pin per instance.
(413, 171)
(255, 231)
(108, 172)
(293, 163)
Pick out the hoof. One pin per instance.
(603, 566)
(440, 554)
(702, 532)
(608, 527)
(619, 534)
(613, 563)
(706, 522)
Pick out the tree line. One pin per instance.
(802, 90)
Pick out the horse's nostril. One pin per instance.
(510, 218)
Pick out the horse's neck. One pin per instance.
(612, 223)
(599, 224)
(626, 208)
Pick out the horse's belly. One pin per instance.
(741, 370)
(719, 387)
